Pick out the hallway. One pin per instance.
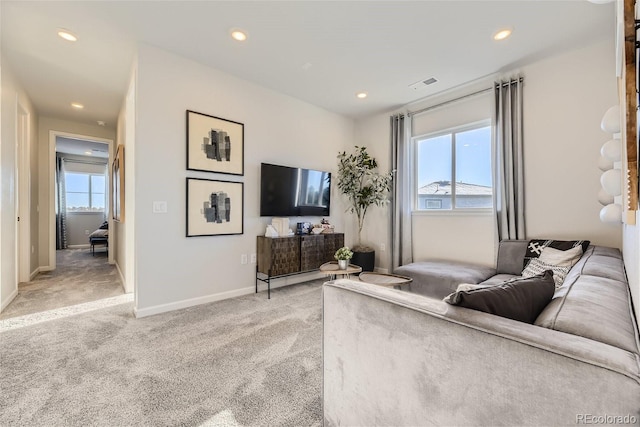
(79, 278)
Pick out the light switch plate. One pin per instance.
(160, 207)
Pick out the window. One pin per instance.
(85, 192)
(454, 169)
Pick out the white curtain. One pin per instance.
(508, 170)
(402, 165)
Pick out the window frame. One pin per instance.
(416, 209)
(90, 193)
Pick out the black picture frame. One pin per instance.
(214, 144)
(214, 207)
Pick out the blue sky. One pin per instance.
(77, 188)
(473, 158)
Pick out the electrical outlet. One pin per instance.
(253, 258)
(383, 247)
(243, 259)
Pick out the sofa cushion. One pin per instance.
(438, 279)
(535, 247)
(519, 299)
(605, 266)
(593, 307)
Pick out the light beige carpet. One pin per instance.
(79, 277)
(247, 361)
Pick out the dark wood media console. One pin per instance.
(286, 256)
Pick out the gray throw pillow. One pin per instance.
(518, 299)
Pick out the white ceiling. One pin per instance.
(81, 147)
(322, 52)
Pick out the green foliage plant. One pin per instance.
(364, 186)
(344, 253)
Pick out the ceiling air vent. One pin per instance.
(423, 83)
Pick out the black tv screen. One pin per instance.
(287, 191)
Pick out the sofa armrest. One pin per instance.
(394, 358)
(511, 256)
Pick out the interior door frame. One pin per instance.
(23, 195)
(53, 134)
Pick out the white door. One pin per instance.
(23, 198)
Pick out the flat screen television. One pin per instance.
(288, 191)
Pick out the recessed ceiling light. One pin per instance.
(77, 105)
(239, 35)
(67, 35)
(502, 34)
(101, 123)
(361, 95)
(88, 153)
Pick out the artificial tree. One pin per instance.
(364, 186)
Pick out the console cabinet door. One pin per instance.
(279, 255)
(311, 252)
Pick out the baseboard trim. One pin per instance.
(78, 246)
(46, 268)
(163, 308)
(262, 288)
(35, 273)
(8, 301)
(124, 283)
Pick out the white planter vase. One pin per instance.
(343, 264)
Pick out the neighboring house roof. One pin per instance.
(462, 189)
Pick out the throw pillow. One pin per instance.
(99, 233)
(537, 266)
(563, 258)
(521, 299)
(469, 286)
(104, 226)
(535, 247)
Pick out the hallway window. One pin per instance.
(85, 192)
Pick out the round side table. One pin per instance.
(332, 270)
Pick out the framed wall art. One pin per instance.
(214, 207)
(214, 144)
(117, 184)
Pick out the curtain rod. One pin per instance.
(504, 84)
(84, 161)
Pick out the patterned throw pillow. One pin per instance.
(537, 267)
(535, 247)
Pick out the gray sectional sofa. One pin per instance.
(393, 357)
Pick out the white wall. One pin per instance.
(80, 225)
(565, 98)
(174, 271)
(124, 232)
(12, 94)
(46, 178)
(631, 252)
